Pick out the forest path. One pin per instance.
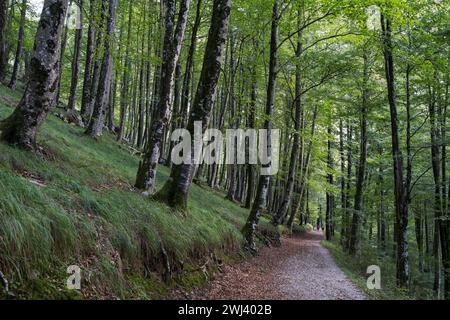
(301, 269)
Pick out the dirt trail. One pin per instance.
(300, 270)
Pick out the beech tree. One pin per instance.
(173, 40)
(175, 192)
(95, 127)
(3, 43)
(263, 185)
(19, 50)
(22, 126)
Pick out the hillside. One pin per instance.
(74, 205)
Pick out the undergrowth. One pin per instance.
(74, 205)
(356, 269)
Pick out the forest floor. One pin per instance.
(301, 269)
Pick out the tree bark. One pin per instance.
(188, 74)
(401, 201)
(175, 191)
(259, 204)
(3, 39)
(232, 168)
(86, 99)
(251, 124)
(19, 50)
(146, 176)
(124, 92)
(95, 128)
(293, 165)
(63, 50)
(357, 215)
(76, 59)
(329, 195)
(38, 100)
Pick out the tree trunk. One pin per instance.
(95, 128)
(38, 100)
(146, 176)
(76, 60)
(188, 75)
(305, 168)
(63, 50)
(329, 195)
(89, 70)
(4, 4)
(232, 168)
(251, 124)
(293, 165)
(176, 190)
(357, 215)
(126, 77)
(259, 204)
(19, 50)
(401, 201)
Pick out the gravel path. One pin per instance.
(300, 270)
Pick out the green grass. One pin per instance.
(76, 205)
(356, 267)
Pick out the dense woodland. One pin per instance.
(359, 89)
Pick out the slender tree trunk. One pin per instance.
(63, 50)
(189, 72)
(293, 165)
(19, 50)
(95, 128)
(90, 51)
(259, 204)
(141, 123)
(38, 100)
(232, 168)
(305, 168)
(251, 124)
(382, 243)
(4, 4)
(357, 215)
(401, 201)
(126, 77)
(445, 221)
(76, 60)
(176, 190)
(146, 176)
(419, 238)
(343, 194)
(329, 195)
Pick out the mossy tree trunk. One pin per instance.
(175, 192)
(40, 93)
(173, 39)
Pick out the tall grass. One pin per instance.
(75, 205)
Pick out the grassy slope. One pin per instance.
(75, 205)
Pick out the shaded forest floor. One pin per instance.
(74, 204)
(301, 269)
